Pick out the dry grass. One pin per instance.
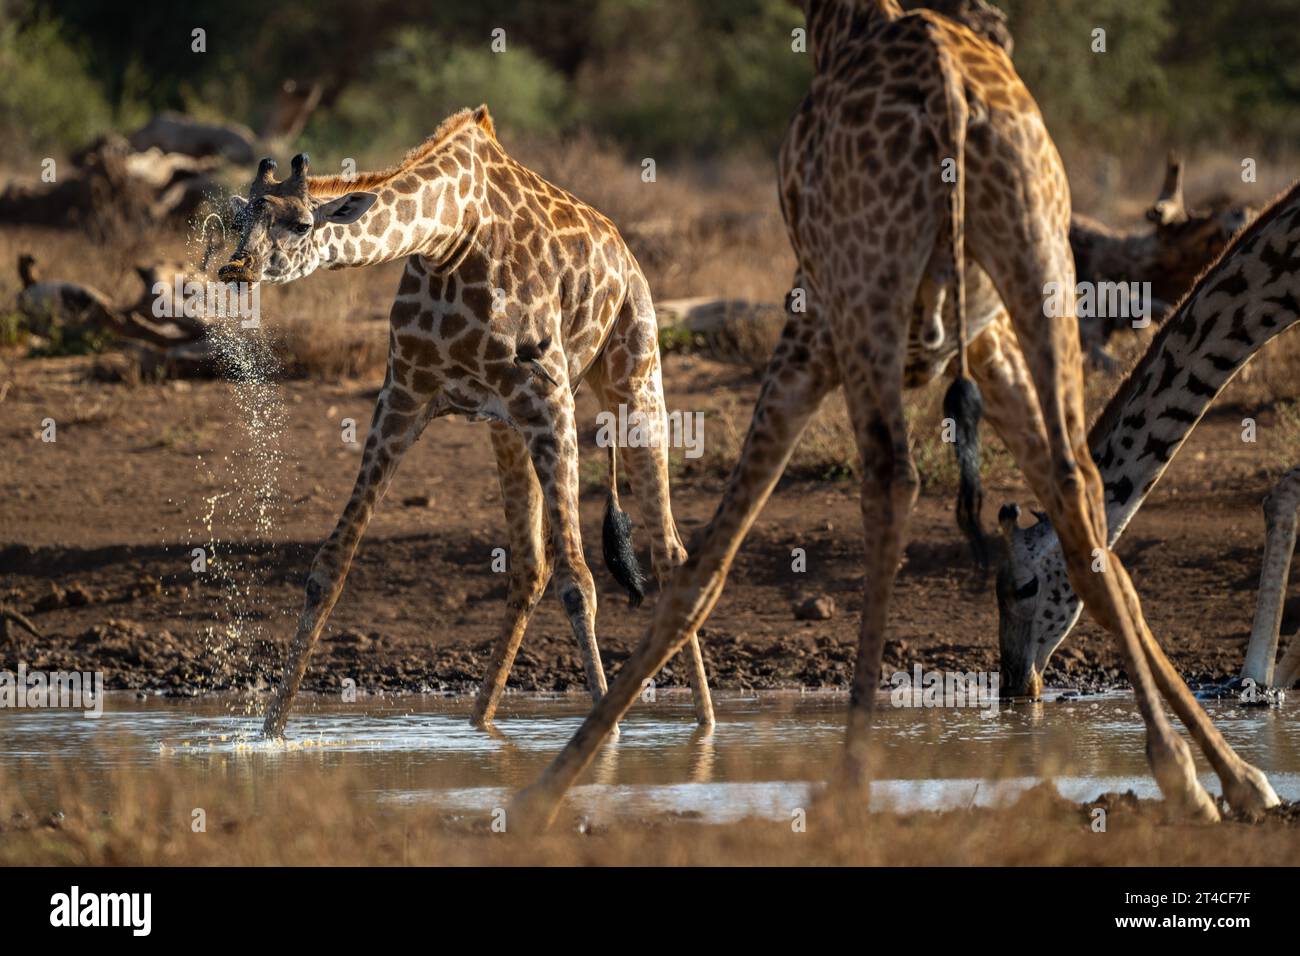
(709, 228)
(330, 818)
(1119, 191)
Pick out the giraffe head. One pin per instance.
(1036, 605)
(279, 225)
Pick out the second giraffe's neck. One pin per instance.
(1249, 296)
(832, 23)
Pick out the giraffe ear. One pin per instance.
(346, 209)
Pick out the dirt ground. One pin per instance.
(97, 531)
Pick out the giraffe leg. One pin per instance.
(552, 441)
(641, 392)
(398, 421)
(1288, 668)
(529, 570)
(999, 367)
(1279, 544)
(800, 374)
(889, 488)
(1245, 787)
(1074, 501)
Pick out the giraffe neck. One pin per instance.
(832, 23)
(427, 212)
(1249, 296)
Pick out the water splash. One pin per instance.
(247, 508)
(248, 359)
(210, 243)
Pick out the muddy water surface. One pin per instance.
(762, 758)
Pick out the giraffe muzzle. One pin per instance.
(1020, 682)
(238, 270)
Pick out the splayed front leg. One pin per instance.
(403, 418)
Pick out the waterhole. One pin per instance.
(763, 758)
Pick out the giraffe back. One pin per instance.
(862, 165)
(536, 268)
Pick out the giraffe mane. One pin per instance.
(329, 186)
(1106, 420)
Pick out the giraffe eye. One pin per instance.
(301, 228)
(1028, 590)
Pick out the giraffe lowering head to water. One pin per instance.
(1245, 299)
(896, 101)
(514, 293)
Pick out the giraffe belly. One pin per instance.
(924, 362)
(474, 401)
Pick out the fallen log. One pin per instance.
(729, 330)
(177, 133)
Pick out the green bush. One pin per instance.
(708, 78)
(409, 88)
(47, 97)
(1099, 97)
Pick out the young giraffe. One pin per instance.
(869, 214)
(514, 292)
(1249, 296)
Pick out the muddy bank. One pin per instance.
(97, 536)
(429, 626)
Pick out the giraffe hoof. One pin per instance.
(1195, 806)
(532, 810)
(1251, 793)
(1175, 772)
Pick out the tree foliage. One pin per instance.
(657, 76)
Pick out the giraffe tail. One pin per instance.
(962, 404)
(616, 541)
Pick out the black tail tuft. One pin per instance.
(964, 406)
(620, 556)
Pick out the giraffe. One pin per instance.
(1246, 298)
(514, 292)
(1170, 256)
(1280, 508)
(979, 16)
(876, 225)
